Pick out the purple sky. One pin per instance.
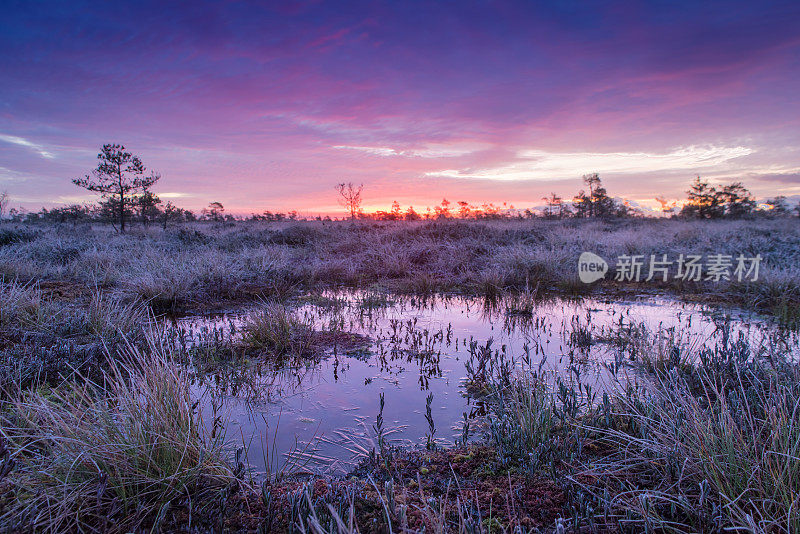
(268, 108)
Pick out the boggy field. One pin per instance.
(195, 378)
(205, 265)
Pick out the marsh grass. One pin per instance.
(522, 303)
(46, 339)
(524, 421)
(10, 236)
(113, 319)
(690, 435)
(25, 309)
(451, 501)
(374, 299)
(111, 454)
(205, 265)
(694, 436)
(720, 449)
(277, 331)
(22, 306)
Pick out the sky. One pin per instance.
(267, 106)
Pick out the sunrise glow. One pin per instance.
(267, 107)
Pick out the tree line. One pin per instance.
(704, 201)
(124, 186)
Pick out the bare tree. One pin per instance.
(118, 176)
(3, 205)
(553, 206)
(350, 197)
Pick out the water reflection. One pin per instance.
(326, 408)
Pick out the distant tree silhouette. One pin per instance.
(109, 210)
(411, 214)
(595, 203)
(146, 206)
(705, 201)
(554, 206)
(168, 214)
(74, 213)
(777, 206)
(396, 212)
(350, 197)
(488, 210)
(119, 175)
(214, 211)
(442, 211)
(738, 201)
(593, 183)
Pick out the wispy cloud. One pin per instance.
(372, 150)
(175, 195)
(21, 141)
(7, 175)
(427, 151)
(542, 165)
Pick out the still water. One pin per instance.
(320, 416)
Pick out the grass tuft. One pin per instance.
(279, 332)
(109, 454)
